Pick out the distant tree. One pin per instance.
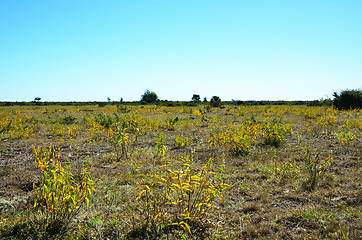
(121, 99)
(205, 99)
(348, 99)
(108, 99)
(37, 100)
(195, 98)
(149, 96)
(215, 101)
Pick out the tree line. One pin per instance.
(344, 100)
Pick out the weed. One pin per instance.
(181, 142)
(59, 198)
(121, 141)
(274, 133)
(160, 148)
(346, 138)
(171, 123)
(104, 120)
(68, 120)
(284, 169)
(315, 167)
(181, 197)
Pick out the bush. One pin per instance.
(68, 120)
(348, 99)
(181, 197)
(105, 120)
(274, 133)
(59, 197)
(215, 101)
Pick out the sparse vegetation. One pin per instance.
(180, 172)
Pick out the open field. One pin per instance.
(267, 172)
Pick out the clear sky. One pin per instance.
(84, 50)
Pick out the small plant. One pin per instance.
(68, 120)
(123, 109)
(58, 196)
(327, 120)
(237, 141)
(121, 141)
(181, 142)
(274, 133)
(160, 147)
(172, 122)
(346, 138)
(284, 169)
(104, 120)
(315, 168)
(5, 125)
(182, 197)
(207, 108)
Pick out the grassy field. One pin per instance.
(236, 172)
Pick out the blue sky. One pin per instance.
(235, 49)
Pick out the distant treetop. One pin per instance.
(149, 96)
(195, 98)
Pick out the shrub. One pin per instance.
(181, 197)
(315, 167)
(171, 123)
(182, 142)
(104, 119)
(68, 120)
(348, 99)
(160, 148)
(58, 196)
(237, 141)
(121, 140)
(215, 101)
(274, 133)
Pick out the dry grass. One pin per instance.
(270, 195)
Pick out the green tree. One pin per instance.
(37, 100)
(348, 99)
(215, 101)
(195, 98)
(149, 96)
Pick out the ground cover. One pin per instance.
(200, 172)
